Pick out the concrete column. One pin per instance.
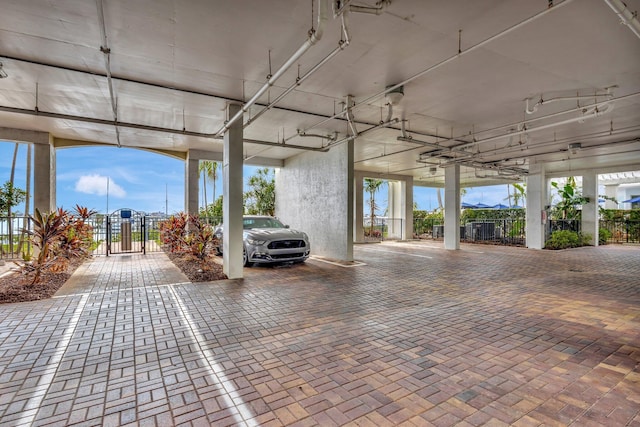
(536, 204)
(315, 194)
(452, 207)
(232, 208)
(44, 176)
(590, 210)
(400, 202)
(358, 219)
(191, 184)
(395, 209)
(611, 191)
(350, 174)
(407, 222)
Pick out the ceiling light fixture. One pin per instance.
(395, 96)
(3, 73)
(575, 147)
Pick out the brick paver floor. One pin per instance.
(418, 336)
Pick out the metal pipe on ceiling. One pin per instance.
(342, 44)
(147, 127)
(520, 126)
(628, 18)
(104, 48)
(448, 60)
(593, 112)
(581, 138)
(314, 36)
(583, 148)
(563, 98)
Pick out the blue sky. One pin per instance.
(141, 180)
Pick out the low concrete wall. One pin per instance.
(314, 193)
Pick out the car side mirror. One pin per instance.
(286, 226)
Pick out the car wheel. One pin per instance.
(245, 258)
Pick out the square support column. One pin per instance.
(232, 208)
(44, 176)
(358, 219)
(590, 221)
(315, 194)
(400, 200)
(536, 207)
(612, 192)
(452, 207)
(191, 184)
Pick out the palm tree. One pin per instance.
(210, 169)
(519, 193)
(11, 180)
(26, 202)
(214, 176)
(371, 186)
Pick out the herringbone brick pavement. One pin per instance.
(418, 336)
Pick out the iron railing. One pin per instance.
(620, 231)
(383, 228)
(503, 231)
(14, 241)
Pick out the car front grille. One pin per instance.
(287, 256)
(286, 244)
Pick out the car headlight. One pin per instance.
(255, 242)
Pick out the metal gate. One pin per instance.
(126, 232)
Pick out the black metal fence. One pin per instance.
(423, 228)
(383, 228)
(505, 231)
(110, 237)
(620, 231)
(14, 242)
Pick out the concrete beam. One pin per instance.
(23, 135)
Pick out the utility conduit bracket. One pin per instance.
(349, 109)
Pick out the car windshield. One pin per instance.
(249, 223)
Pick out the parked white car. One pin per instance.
(267, 240)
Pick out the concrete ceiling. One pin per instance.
(175, 65)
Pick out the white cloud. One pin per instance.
(97, 184)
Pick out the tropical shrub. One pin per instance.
(58, 237)
(199, 239)
(563, 239)
(183, 233)
(173, 232)
(604, 235)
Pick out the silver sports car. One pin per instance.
(267, 240)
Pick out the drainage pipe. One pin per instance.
(448, 60)
(104, 48)
(312, 39)
(343, 43)
(594, 112)
(628, 18)
(352, 137)
(562, 98)
(519, 125)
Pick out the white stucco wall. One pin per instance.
(314, 194)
